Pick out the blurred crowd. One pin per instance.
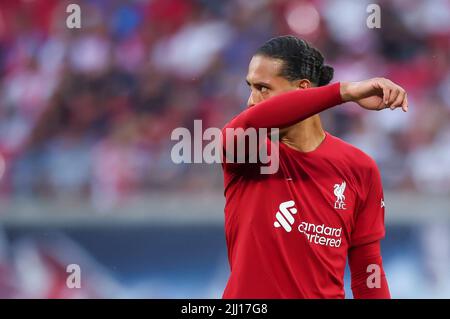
(88, 113)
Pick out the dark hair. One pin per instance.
(300, 60)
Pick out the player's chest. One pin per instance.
(325, 195)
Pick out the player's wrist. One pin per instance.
(345, 90)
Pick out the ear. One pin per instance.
(303, 84)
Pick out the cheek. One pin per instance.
(282, 90)
(270, 93)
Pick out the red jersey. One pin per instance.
(288, 233)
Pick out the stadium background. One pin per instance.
(86, 116)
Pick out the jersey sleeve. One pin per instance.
(360, 258)
(369, 216)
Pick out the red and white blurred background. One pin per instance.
(86, 116)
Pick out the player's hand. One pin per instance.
(375, 94)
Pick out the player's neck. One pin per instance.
(306, 135)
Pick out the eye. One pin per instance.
(262, 88)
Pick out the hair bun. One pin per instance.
(326, 75)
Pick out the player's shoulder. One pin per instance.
(352, 154)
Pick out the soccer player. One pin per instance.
(289, 233)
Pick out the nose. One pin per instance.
(252, 100)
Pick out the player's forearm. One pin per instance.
(367, 273)
(363, 291)
(289, 108)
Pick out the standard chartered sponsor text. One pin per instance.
(321, 234)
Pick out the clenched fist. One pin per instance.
(375, 94)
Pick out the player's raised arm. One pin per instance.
(288, 108)
(292, 107)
